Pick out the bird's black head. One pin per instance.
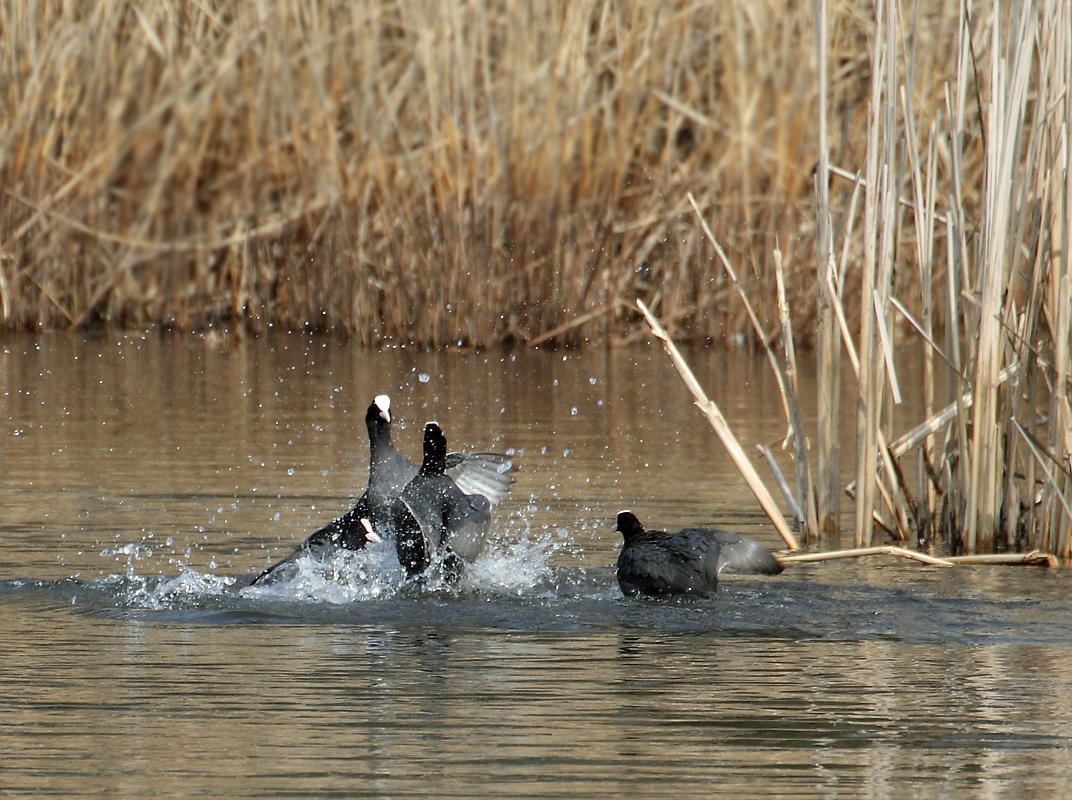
(378, 416)
(435, 450)
(628, 525)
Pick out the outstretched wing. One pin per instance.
(346, 531)
(486, 474)
(467, 522)
(744, 555)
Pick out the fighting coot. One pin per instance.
(435, 522)
(389, 473)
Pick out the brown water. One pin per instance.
(145, 478)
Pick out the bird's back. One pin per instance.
(656, 563)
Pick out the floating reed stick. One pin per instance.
(1033, 558)
(857, 552)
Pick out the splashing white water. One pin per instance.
(514, 564)
(188, 588)
(344, 577)
(513, 569)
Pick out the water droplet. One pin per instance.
(424, 377)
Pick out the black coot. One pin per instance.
(688, 562)
(389, 472)
(434, 522)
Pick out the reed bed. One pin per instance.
(988, 469)
(421, 172)
(991, 471)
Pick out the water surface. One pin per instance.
(145, 479)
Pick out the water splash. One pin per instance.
(374, 573)
(189, 589)
(517, 564)
(345, 577)
(514, 569)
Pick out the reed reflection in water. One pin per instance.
(147, 475)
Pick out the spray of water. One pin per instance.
(516, 563)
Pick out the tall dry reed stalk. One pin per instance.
(828, 342)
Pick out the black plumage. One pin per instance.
(656, 563)
(389, 472)
(434, 522)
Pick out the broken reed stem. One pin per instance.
(887, 347)
(783, 484)
(565, 327)
(930, 426)
(809, 519)
(1041, 458)
(785, 387)
(904, 201)
(1033, 558)
(856, 552)
(757, 326)
(723, 431)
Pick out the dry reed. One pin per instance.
(992, 470)
(977, 187)
(418, 171)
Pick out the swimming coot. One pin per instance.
(688, 562)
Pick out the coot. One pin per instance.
(435, 523)
(389, 472)
(688, 562)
